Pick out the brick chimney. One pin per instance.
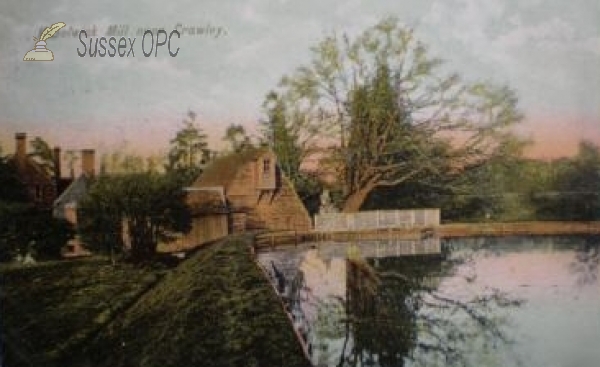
(88, 162)
(21, 146)
(57, 166)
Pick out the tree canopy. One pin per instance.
(237, 138)
(23, 227)
(142, 208)
(384, 112)
(188, 149)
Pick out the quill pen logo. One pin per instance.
(40, 52)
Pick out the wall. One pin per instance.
(375, 219)
(279, 209)
(283, 209)
(205, 229)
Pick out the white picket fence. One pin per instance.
(377, 219)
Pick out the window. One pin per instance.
(266, 166)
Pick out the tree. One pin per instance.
(237, 138)
(23, 227)
(279, 133)
(122, 161)
(43, 155)
(387, 109)
(13, 202)
(575, 187)
(291, 136)
(145, 207)
(189, 149)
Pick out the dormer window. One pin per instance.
(266, 167)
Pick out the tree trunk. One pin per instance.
(356, 200)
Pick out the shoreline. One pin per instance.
(447, 230)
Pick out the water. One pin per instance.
(513, 301)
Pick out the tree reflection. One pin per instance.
(395, 315)
(587, 260)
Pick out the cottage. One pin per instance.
(42, 186)
(244, 191)
(255, 191)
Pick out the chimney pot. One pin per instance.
(88, 162)
(57, 165)
(21, 146)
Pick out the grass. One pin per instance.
(214, 309)
(49, 308)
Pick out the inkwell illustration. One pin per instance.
(40, 52)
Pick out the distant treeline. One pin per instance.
(513, 190)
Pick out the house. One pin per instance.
(42, 186)
(65, 206)
(243, 191)
(253, 189)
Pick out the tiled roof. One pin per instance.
(224, 169)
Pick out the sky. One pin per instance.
(548, 51)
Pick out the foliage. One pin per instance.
(575, 187)
(55, 307)
(237, 319)
(282, 131)
(26, 229)
(189, 150)
(309, 189)
(288, 133)
(123, 162)
(146, 207)
(237, 138)
(13, 189)
(43, 154)
(389, 110)
(23, 227)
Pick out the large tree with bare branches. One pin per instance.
(387, 112)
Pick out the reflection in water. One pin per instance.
(465, 307)
(586, 262)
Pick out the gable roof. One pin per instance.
(223, 170)
(75, 191)
(207, 201)
(207, 192)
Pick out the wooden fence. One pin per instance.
(377, 219)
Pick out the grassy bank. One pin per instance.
(49, 309)
(214, 309)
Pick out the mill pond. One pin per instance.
(488, 301)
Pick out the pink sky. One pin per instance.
(556, 137)
(553, 137)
